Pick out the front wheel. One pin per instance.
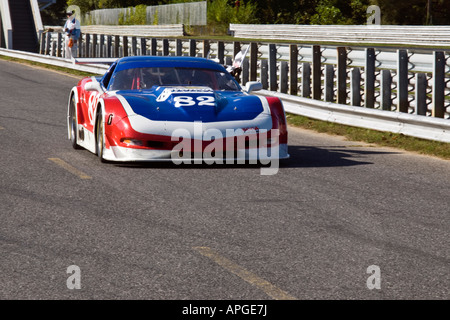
(100, 136)
(73, 123)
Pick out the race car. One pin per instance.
(154, 108)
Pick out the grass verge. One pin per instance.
(387, 139)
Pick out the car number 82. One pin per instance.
(185, 101)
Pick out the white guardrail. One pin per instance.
(397, 122)
(435, 36)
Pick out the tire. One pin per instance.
(100, 136)
(73, 121)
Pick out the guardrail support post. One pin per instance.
(94, 46)
(108, 46)
(165, 47)
(88, 46)
(341, 75)
(306, 80)
(402, 81)
(355, 87)
(245, 71)
(236, 48)
(369, 78)
(421, 94)
(253, 61)
(102, 46)
(143, 44)
(116, 46)
(221, 52)
(80, 46)
(273, 86)
(316, 73)
(59, 45)
(293, 69)
(284, 69)
(439, 84)
(329, 83)
(192, 48)
(386, 90)
(154, 47)
(125, 46)
(179, 48)
(206, 48)
(265, 74)
(134, 46)
(48, 43)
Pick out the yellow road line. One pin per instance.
(69, 168)
(244, 274)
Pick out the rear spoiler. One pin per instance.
(94, 60)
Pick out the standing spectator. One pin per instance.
(72, 29)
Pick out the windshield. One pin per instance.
(145, 78)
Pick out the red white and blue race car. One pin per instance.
(153, 108)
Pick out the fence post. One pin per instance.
(108, 46)
(293, 69)
(154, 48)
(265, 74)
(273, 67)
(236, 48)
(59, 45)
(221, 52)
(192, 48)
(329, 83)
(245, 71)
(316, 73)
(284, 69)
(421, 94)
(386, 90)
(402, 81)
(253, 61)
(306, 80)
(179, 47)
(116, 46)
(369, 78)
(94, 46)
(206, 48)
(134, 46)
(439, 84)
(88, 46)
(355, 87)
(80, 46)
(125, 46)
(102, 46)
(48, 43)
(342, 75)
(42, 42)
(165, 47)
(143, 47)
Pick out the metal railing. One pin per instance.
(409, 81)
(436, 36)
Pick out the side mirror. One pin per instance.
(93, 86)
(253, 86)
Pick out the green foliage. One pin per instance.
(220, 14)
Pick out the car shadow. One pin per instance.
(300, 157)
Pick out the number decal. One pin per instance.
(206, 101)
(186, 101)
(183, 101)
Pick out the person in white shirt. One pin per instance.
(72, 30)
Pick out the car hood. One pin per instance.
(192, 104)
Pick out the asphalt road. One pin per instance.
(211, 232)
